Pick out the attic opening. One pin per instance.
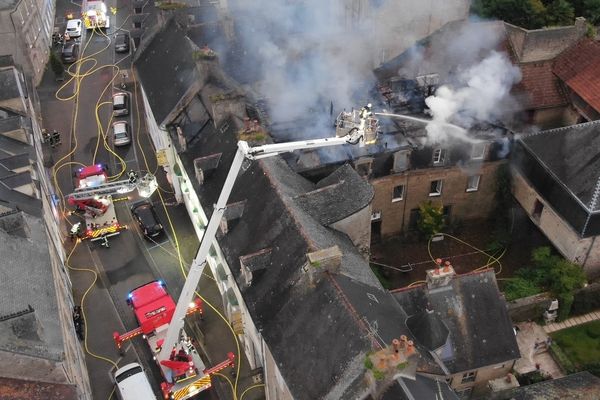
(538, 208)
(253, 265)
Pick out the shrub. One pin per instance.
(519, 287)
(562, 359)
(431, 218)
(56, 64)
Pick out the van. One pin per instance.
(132, 383)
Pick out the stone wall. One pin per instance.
(395, 215)
(529, 308)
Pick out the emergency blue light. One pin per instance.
(130, 296)
(161, 283)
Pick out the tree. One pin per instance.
(591, 10)
(560, 13)
(561, 277)
(528, 14)
(57, 66)
(431, 219)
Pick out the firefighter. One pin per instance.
(45, 136)
(104, 242)
(55, 138)
(133, 176)
(75, 231)
(366, 112)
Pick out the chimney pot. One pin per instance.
(438, 261)
(396, 344)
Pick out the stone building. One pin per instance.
(26, 33)
(38, 341)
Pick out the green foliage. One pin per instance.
(501, 216)
(385, 282)
(586, 300)
(56, 64)
(518, 287)
(368, 363)
(528, 14)
(562, 359)
(377, 374)
(590, 31)
(580, 344)
(594, 368)
(431, 219)
(591, 11)
(560, 13)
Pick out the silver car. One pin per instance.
(120, 104)
(121, 133)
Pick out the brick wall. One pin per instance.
(395, 215)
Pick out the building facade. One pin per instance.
(45, 347)
(26, 28)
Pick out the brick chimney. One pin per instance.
(441, 275)
(321, 261)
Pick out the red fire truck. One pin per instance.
(184, 373)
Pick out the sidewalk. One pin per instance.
(582, 319)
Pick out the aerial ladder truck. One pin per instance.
(161, 322)
(93, 199)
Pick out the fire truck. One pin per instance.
(184, 372)
(96, 15)
(161, 321)
(93, 200)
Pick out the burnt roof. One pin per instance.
(475, 314)
(306, 327)
(580, 386)
(168, 54)
(19, 389)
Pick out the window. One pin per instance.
(398, 193)
(436, 188)
(439, 156)
(473, 183)
(538, 208)
(376, 216)
(478, 151)
(469, 377)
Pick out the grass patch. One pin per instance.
(385, 282)
(580, 343)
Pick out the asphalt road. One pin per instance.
(131, 260)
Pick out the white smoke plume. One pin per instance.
(313, 53)
(479, 94)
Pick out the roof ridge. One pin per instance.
(562, 128)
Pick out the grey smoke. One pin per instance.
(312, 52)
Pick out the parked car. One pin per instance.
(73, 28)
(145, 215)
(122, 42)
(121, 133)
(70, 52)
(120, 104)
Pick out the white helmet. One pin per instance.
(369, 105)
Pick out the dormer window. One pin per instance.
(439, 156)
(478, 151)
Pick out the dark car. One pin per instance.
(70, 52)
(146, 217)
(122, 42)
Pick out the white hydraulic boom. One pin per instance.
(244, 151)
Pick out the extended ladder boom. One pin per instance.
(244, 151)
(124, 186)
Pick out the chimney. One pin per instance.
(251, 264)
(205, 165)
(440, 276)
(233, 212)
(387, 364)
(321, 261)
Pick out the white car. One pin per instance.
(121, 133)
(73, 28)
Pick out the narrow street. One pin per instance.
(131, 260)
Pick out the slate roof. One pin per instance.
(20, 389)
(572, 155)
(167, 55)
(15, 181)
(539, 87)
(27, 282)
(337, 196)
(13, 162)
(420, 389)
(307, 328)
(580, 386)
(9, 88)
(578, 68)
(475, 314)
